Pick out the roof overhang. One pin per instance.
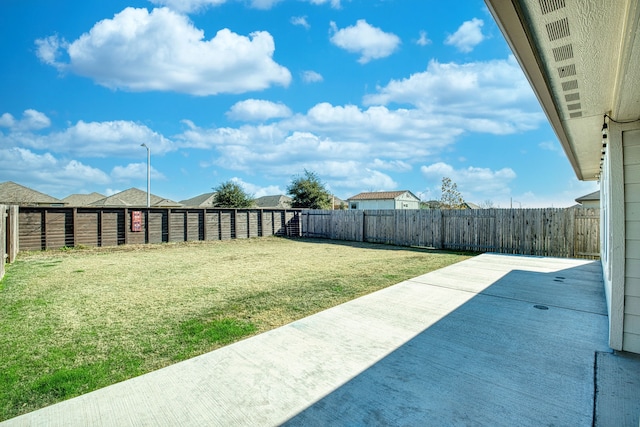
(582, 59)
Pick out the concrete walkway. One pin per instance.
(496, 340)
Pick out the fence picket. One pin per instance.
(542, 232)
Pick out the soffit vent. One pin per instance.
(572, 107)
(563, 53)
(547, 6)
(570, 85)
(558, 29)
(567, 70)
(575, 115)
(572, 97)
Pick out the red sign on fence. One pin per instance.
(136, 221)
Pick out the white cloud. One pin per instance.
(258, 110)
(31, 120)
(392, 165)
(134, 171)
(188, 5)
(468, 36)
(367, 41)
(334, 3)
(311, 77)
(163, 51)
(474, 183)
(377, 181)
(492, 96)
(95, 139)
(423, 40)
(300, 21)
(47, 168)
(264, 4)
(256, 190)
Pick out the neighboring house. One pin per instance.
(339, 204)
(135, 198)
(385, 200)
(591, 200)
(430, 204)
(82, 199)
(16, 194)
(469, 205)
(205, 200)
(583, 61)
(435, 204)
(273, 202)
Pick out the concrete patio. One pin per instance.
(496, 340)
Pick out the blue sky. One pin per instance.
(372, 95)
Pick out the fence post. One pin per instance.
(3, 238)
(13, 235)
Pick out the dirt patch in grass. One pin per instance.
(76, 320)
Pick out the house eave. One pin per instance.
(598, 76)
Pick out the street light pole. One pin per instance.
(148, 174)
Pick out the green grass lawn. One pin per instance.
(77, 320)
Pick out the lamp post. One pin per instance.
(148, 174)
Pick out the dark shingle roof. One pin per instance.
(82, 199)
(134, 197)
(589, 197)
(16, 194)
(205, 200)
(278, 201)
(379, 195)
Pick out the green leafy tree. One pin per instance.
(451, 197)
(308, 191)
(231, 195)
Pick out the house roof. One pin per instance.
(582, 59)
(134, 197)
(278, 201)
(205, 200)
(16, 194)
(589, 197)
(470, 205)
(380, 195)
(82, 199)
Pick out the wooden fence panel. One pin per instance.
(87, 228)
(58, 228)
(112, 228)
(541, 232)
(177, 226)
(4, 226)
(194, 230)
(212, 225)
(587, 234)
(267, 221)
(226, 226)
(254, 224)
(54, 227)
(158, 227)
(31, 233)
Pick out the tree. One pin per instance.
(451, 197)
(231, 195)
(308, 191)
(487, 204)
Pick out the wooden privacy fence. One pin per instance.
(8, 235)
(56, 227)
(572, 233)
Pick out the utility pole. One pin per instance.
(148, 174)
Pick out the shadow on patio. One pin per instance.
(519, 352)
